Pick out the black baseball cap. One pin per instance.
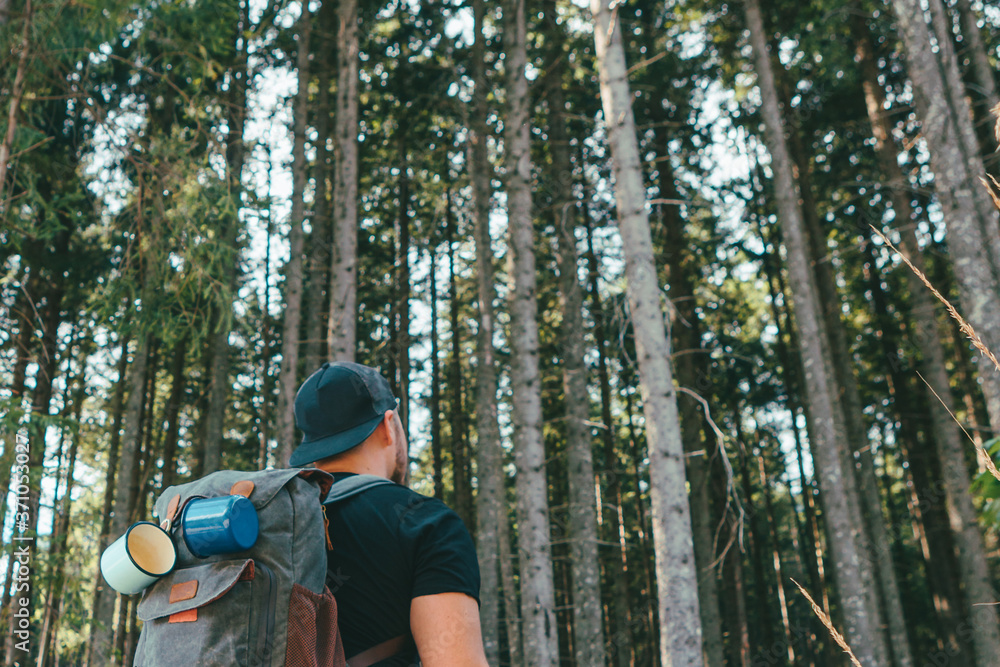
(337, 408)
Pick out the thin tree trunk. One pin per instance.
(288, 378)
(266, 426)
(14, 105)
(622, 642)
(826, 420)
(341, 327)
(23, 310)
(402, 301)
(649, 587)
(677, 577)
(491, 519)
(461, 474)
(219, 384)
(541, 646)
(172, 412)
(41, 398)
(435, 401)
(117, 410)
(588, 628)
(776, 559)
(320, 237)
(101, 633)
(60, 531)
(982, 71)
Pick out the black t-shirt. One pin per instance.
(390, 545)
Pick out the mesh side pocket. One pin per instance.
(313, 638)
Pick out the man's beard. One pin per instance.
(401, 473)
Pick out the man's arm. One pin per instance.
(446, 629)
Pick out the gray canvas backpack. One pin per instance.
(266, 606)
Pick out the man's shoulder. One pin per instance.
(408, 505)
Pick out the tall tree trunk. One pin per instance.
(61, 522)
(588, 628)
(491, 519)
(267, 427)
(649, 592)
(104, 538)
(23, 311)
(677, 577)
(686, 336)
(541, 646)
(101, 631)
(512, 617)
(219, 384)
(461, 473)
(41, 397)
(776, 559)
(17, 92)
(879, 576)
(172, 412)
(826, 421)
(435, 400)
(341, 327)
(288, 378)
(320, 237)
(621, 639)
(402, 301)
(979, 61)
(971, 265)
(973, 234)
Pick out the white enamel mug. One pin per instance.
(138, 558)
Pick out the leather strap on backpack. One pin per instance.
(379, 652)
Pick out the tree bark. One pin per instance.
(14, 105)
(288, 378)
(61, 523)
(588, 627)
(826, 421)
(490, 497)
(973, 567)
(541, 646)
(172, 412)
(686, 336)
(341, 327)
(101, 635)
(973, 233)
(461, 474)
(320, 237)
(402, 301)
(23, 311)
(117, 405)
(621, 636)
(41, 398)
(677, 578)
(435, 400)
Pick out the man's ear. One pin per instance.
(390, 434)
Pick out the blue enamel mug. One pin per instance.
(222, 525)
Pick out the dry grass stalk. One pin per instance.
(825, 620)
(965, 328)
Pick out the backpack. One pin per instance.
(268, 606)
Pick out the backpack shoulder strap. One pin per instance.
(352, 486)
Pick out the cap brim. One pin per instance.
(330, 445)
